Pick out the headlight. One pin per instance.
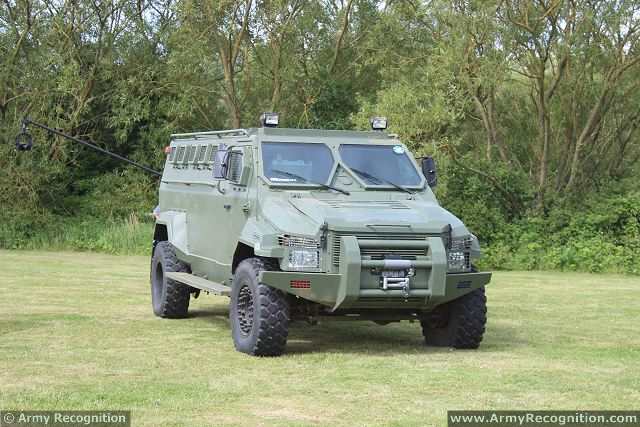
(458, 255)
(303, 253)
(302, 259)
(457, 261)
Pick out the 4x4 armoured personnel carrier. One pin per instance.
(301, 224)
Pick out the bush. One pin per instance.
(106, 213)
(130, 236)
(602, 234)
(485, 210)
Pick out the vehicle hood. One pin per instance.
(304, 215)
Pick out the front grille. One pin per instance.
(379, 253)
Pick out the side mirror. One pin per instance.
(429, 171)
(234, 166)
(220, 162)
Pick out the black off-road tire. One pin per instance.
(259, 314)
(170, 299)
(459, 323)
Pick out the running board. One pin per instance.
(200, 283)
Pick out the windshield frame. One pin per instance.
(383, 186)
(265, 178)
(334, 150)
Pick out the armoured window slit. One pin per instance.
(201, 153)
(181, 151)
(172, 154)
(209, 155)
(192, 154)
(198, 162)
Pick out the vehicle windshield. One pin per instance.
(296, 163)
(381, 163)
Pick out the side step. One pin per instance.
(200, 283)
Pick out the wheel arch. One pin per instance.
(160, 233)
(242, 252)
(171, 226)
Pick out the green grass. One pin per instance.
(77, 332)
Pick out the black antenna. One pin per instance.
(24, 142)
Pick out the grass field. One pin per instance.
(77, 332)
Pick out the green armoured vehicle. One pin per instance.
(305, 224)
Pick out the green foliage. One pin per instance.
(131, 236)
(484, 209)
(602, 234)
(334, 106)
(421, 110)
(114, 196)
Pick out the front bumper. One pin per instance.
(356, 286)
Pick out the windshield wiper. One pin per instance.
(303, 179)
(379, 180)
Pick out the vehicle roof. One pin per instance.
(319, 133)
(282, 134)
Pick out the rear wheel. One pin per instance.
(259, 313)
(169, 298)
(459, 323)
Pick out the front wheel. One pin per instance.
(259, 314)
(459, 323)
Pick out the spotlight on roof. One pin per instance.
(378, 123)
(269, 120)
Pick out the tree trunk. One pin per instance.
(545, 135)
(230, 88)
(486, 109)
(595, 117)
(339, 40)
(277, 84)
